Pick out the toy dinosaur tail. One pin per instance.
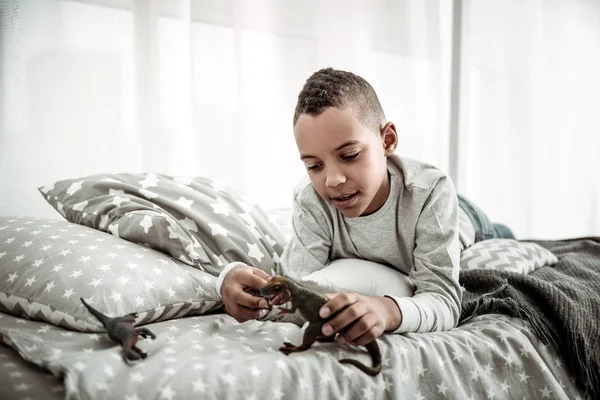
(375, 353)
(101, 317)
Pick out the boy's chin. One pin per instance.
(351, 212)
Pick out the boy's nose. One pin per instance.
(334, 178)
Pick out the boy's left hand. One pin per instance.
(364, 317)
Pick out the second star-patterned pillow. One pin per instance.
(47, 265)
(192, 219)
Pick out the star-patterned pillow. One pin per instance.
(192, 219)
(506, 254)
(47, 265)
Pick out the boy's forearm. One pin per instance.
(394, 313)
(427, 312)
(223, 273)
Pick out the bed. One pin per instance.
(154, 244)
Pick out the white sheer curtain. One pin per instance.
(530, 126)
(188, 87)
(207, 88)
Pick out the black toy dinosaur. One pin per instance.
(122, 330)
(279, 290)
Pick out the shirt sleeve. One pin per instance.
(310, 245)
(435, 306)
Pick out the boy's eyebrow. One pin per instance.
(346, 144)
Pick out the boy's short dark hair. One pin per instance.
(329, 87)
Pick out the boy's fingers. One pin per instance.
(247, 300)
(337, 303)
(361, 328)
(373, 333)
(343, 319)
(261, 274)
(243, 314)
(251, 280)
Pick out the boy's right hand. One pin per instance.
(241, 305)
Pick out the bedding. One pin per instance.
(202, 352)
(195, 220)
(47, 265)
(506, 255)
(562, 303)
(20, 379)
(214, 357)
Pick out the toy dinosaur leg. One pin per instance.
(324, 339)
(145, 332)
(129, 346)
(129, 353)
(310, 335)
(139, 351)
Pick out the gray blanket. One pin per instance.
(562, 303)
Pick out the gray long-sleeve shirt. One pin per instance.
(416, 232)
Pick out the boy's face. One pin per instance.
(346, 161)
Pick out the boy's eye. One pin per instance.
(350, 156)
(313, 167)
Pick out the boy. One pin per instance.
(363, 201)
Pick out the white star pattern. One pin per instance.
(219, 208)
(185, 203)
(104, 267)
(199, 386)
(80, 206)
(150, 181)
(146, 223)
(116, 296)
(47, 188)
(139, 301)
(114, 229)
(75, 186)
(117, 201)
(545, 392)
(95, 282)
(254, 251)
(76, 274)
(49, 286)
(189, 224)
(12, 277)
(57, 268)
(137, 377)
(216, 229)
(148, 194)
(124, 280)
(523, 377)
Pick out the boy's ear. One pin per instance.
(389, 138)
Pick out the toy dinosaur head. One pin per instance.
(276, 290)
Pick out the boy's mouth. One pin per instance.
(344, 201)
